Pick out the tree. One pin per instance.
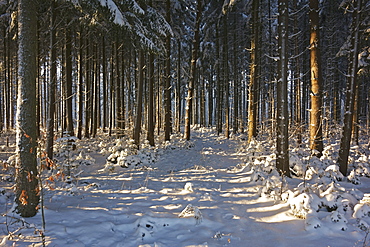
(167, 90)
(27, 190)
(53, 81)
(193, 72)
(316, 142)
(139, 106)
(252, 106)
(351, 88)
(282, 145)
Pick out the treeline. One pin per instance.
(255, 66)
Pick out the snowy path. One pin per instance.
(132, 207)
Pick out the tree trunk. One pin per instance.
(252, 106)
(150, 136)
(282, 153)
(226, 77)
(53, 81)
(139, 107)
(178, 90)
(219, 84)
(316, 143)
(167, 97)
(80, 86)
(350, 91)
(26, 191)
(88, 89)
(193, 72)
(68, 86)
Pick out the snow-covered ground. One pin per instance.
(210, 191)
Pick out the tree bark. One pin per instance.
(282, 153)
(53, 81)
(252, 105)
(139, 107)
(68, 87)
(167, 97)
(226, 77)
(80, 86)
(150, 136)
(345, 142)
(27, 194)
(316, 142)
(193, 70)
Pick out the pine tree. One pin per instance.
(316, 142)
(282, 153)
(27, 190)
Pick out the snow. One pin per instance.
(209, 191)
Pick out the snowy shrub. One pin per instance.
(297, 167)
(312, 222)
(340, 222)
(192, 211)
(304, 204)
(361, 210)
(353, 178)
(363, 225)
(272, 186)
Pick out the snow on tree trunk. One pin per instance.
(316, 143)
(26, 190)
(282, 155)
(350, 91)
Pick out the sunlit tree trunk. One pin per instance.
(27, 192)
(316, 142)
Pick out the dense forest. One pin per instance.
(283, 68)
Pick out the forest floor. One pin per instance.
(197, 193)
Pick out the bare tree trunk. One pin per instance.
(150, 136)
(80, 86)
(252, 106)
(178, 90)
(350, 91)
(167, 96)
(219, 84)
(226, 77)
(193, 68)
(282, 145)
(236, 79)
(139, 107)
(68, 86)
(88, 89)
(26, 190)
(316, 143)
(53, 81)
(105, 87)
